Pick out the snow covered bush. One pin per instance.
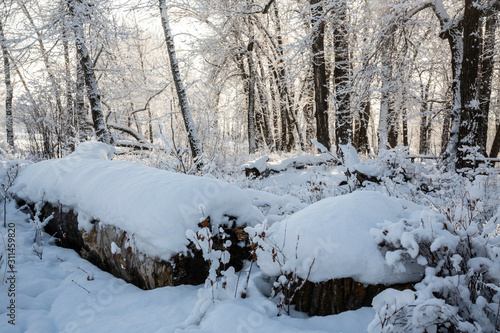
(458, 244)
(8, 174)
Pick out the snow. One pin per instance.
(332, 239)
(115, 249)
(156, 206)
(301, 161)
(260, 164)
(54, 295)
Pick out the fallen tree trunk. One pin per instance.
(337, 295)
(113, 250)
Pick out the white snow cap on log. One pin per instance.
(157, 207)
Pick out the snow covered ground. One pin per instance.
(416, 220)
(65, 293)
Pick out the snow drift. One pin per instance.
(334, 239)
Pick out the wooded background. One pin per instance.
(205, 77)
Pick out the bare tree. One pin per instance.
(77, 13)
(9, 89)
(321, 91)
(194, 141)
(343, 120)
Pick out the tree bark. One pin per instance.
(470, 115)
(194, 141)
(343, 114)
(453, 34)
(288, 114)
(361, 132)
(86, 62)
(486, 75)
(9, 123)
(424, 118)
(251, 99)
(319, 73)
(266, 110)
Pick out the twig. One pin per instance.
(79, 285)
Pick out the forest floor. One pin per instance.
(61, 292)
(64, 293)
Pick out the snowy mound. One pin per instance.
(331, 239)
(155, 206)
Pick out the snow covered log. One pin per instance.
(336, 295)
(260, 167)
(327, 258)
(131, 219)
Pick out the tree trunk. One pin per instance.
(9, 123)
(470, 115)
(86, 62)
(288, 114)
(404, 113)
(194, 141)
(319, 73)
(343, 119)
(453, 33)
(251, 99)
(486, 75)
(361, 132)
(495, 148)
(387, 132)
(83, 127)
(268, 128)
(424, 118)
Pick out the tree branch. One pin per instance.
(267, 6)
(149, 100)
(138, 136)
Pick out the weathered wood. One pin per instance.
(336, 296)
(135, 267)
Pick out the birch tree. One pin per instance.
(9, 127)
(194, 141)
(77, 11)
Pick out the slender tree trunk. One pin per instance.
(288, 113)
(252, 147)
(404, 114)
(150, 125)
(453, 34)
(83, 127)
(385, 113)
(86, 62)
(362, 144)
(269, 135)
(486, 75)
(308, 111)
(424, 118)
(69, 90)
(319, 73)
(495, 148)
(9, 123)
(341, 74)
(194, 141)
(9, 126)
(282, 91)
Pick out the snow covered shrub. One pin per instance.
(288, 283)
(7, 177)
(221, 282)
(218, 274)
(460, 251)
